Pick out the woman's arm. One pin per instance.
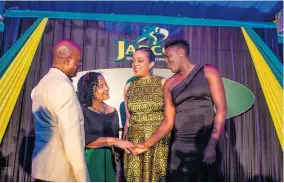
(165, 126)
(111, 141)
(219, 99)
(102, 142)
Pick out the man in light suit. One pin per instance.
(59, 153)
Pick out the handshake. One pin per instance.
(135, 149)
(209, 154)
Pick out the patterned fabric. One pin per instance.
(145, 104)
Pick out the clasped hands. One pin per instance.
(209, 154)
(129, 147)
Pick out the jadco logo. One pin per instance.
(155, 35)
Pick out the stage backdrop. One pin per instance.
(239, 98)
(250, 147)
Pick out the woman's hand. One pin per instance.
(139, 148)
(124, 144)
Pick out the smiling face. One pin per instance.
(142, 64)
(173, 57)
(101, 92)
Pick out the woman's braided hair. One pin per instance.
(85, 88)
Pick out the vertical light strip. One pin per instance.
(12, 81)
(8, 57)
(270, 86)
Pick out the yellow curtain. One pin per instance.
(12, 81)
(271, 88)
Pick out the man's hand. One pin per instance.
(139, 148)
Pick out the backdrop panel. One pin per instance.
(249, 144)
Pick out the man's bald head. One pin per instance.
(65, 55)
(64, 49)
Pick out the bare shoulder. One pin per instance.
(210, 68)
(169, 83)
(210, 71)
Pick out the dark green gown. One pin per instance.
(100, 161)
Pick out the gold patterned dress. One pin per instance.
(146, 107)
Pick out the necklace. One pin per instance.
(100, 110)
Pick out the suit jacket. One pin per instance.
(59, 153)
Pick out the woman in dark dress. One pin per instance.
(101, 124)
(190, 96)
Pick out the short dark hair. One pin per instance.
(85, 88)
(180, 43)
(151, 54)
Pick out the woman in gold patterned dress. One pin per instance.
(144, 108)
